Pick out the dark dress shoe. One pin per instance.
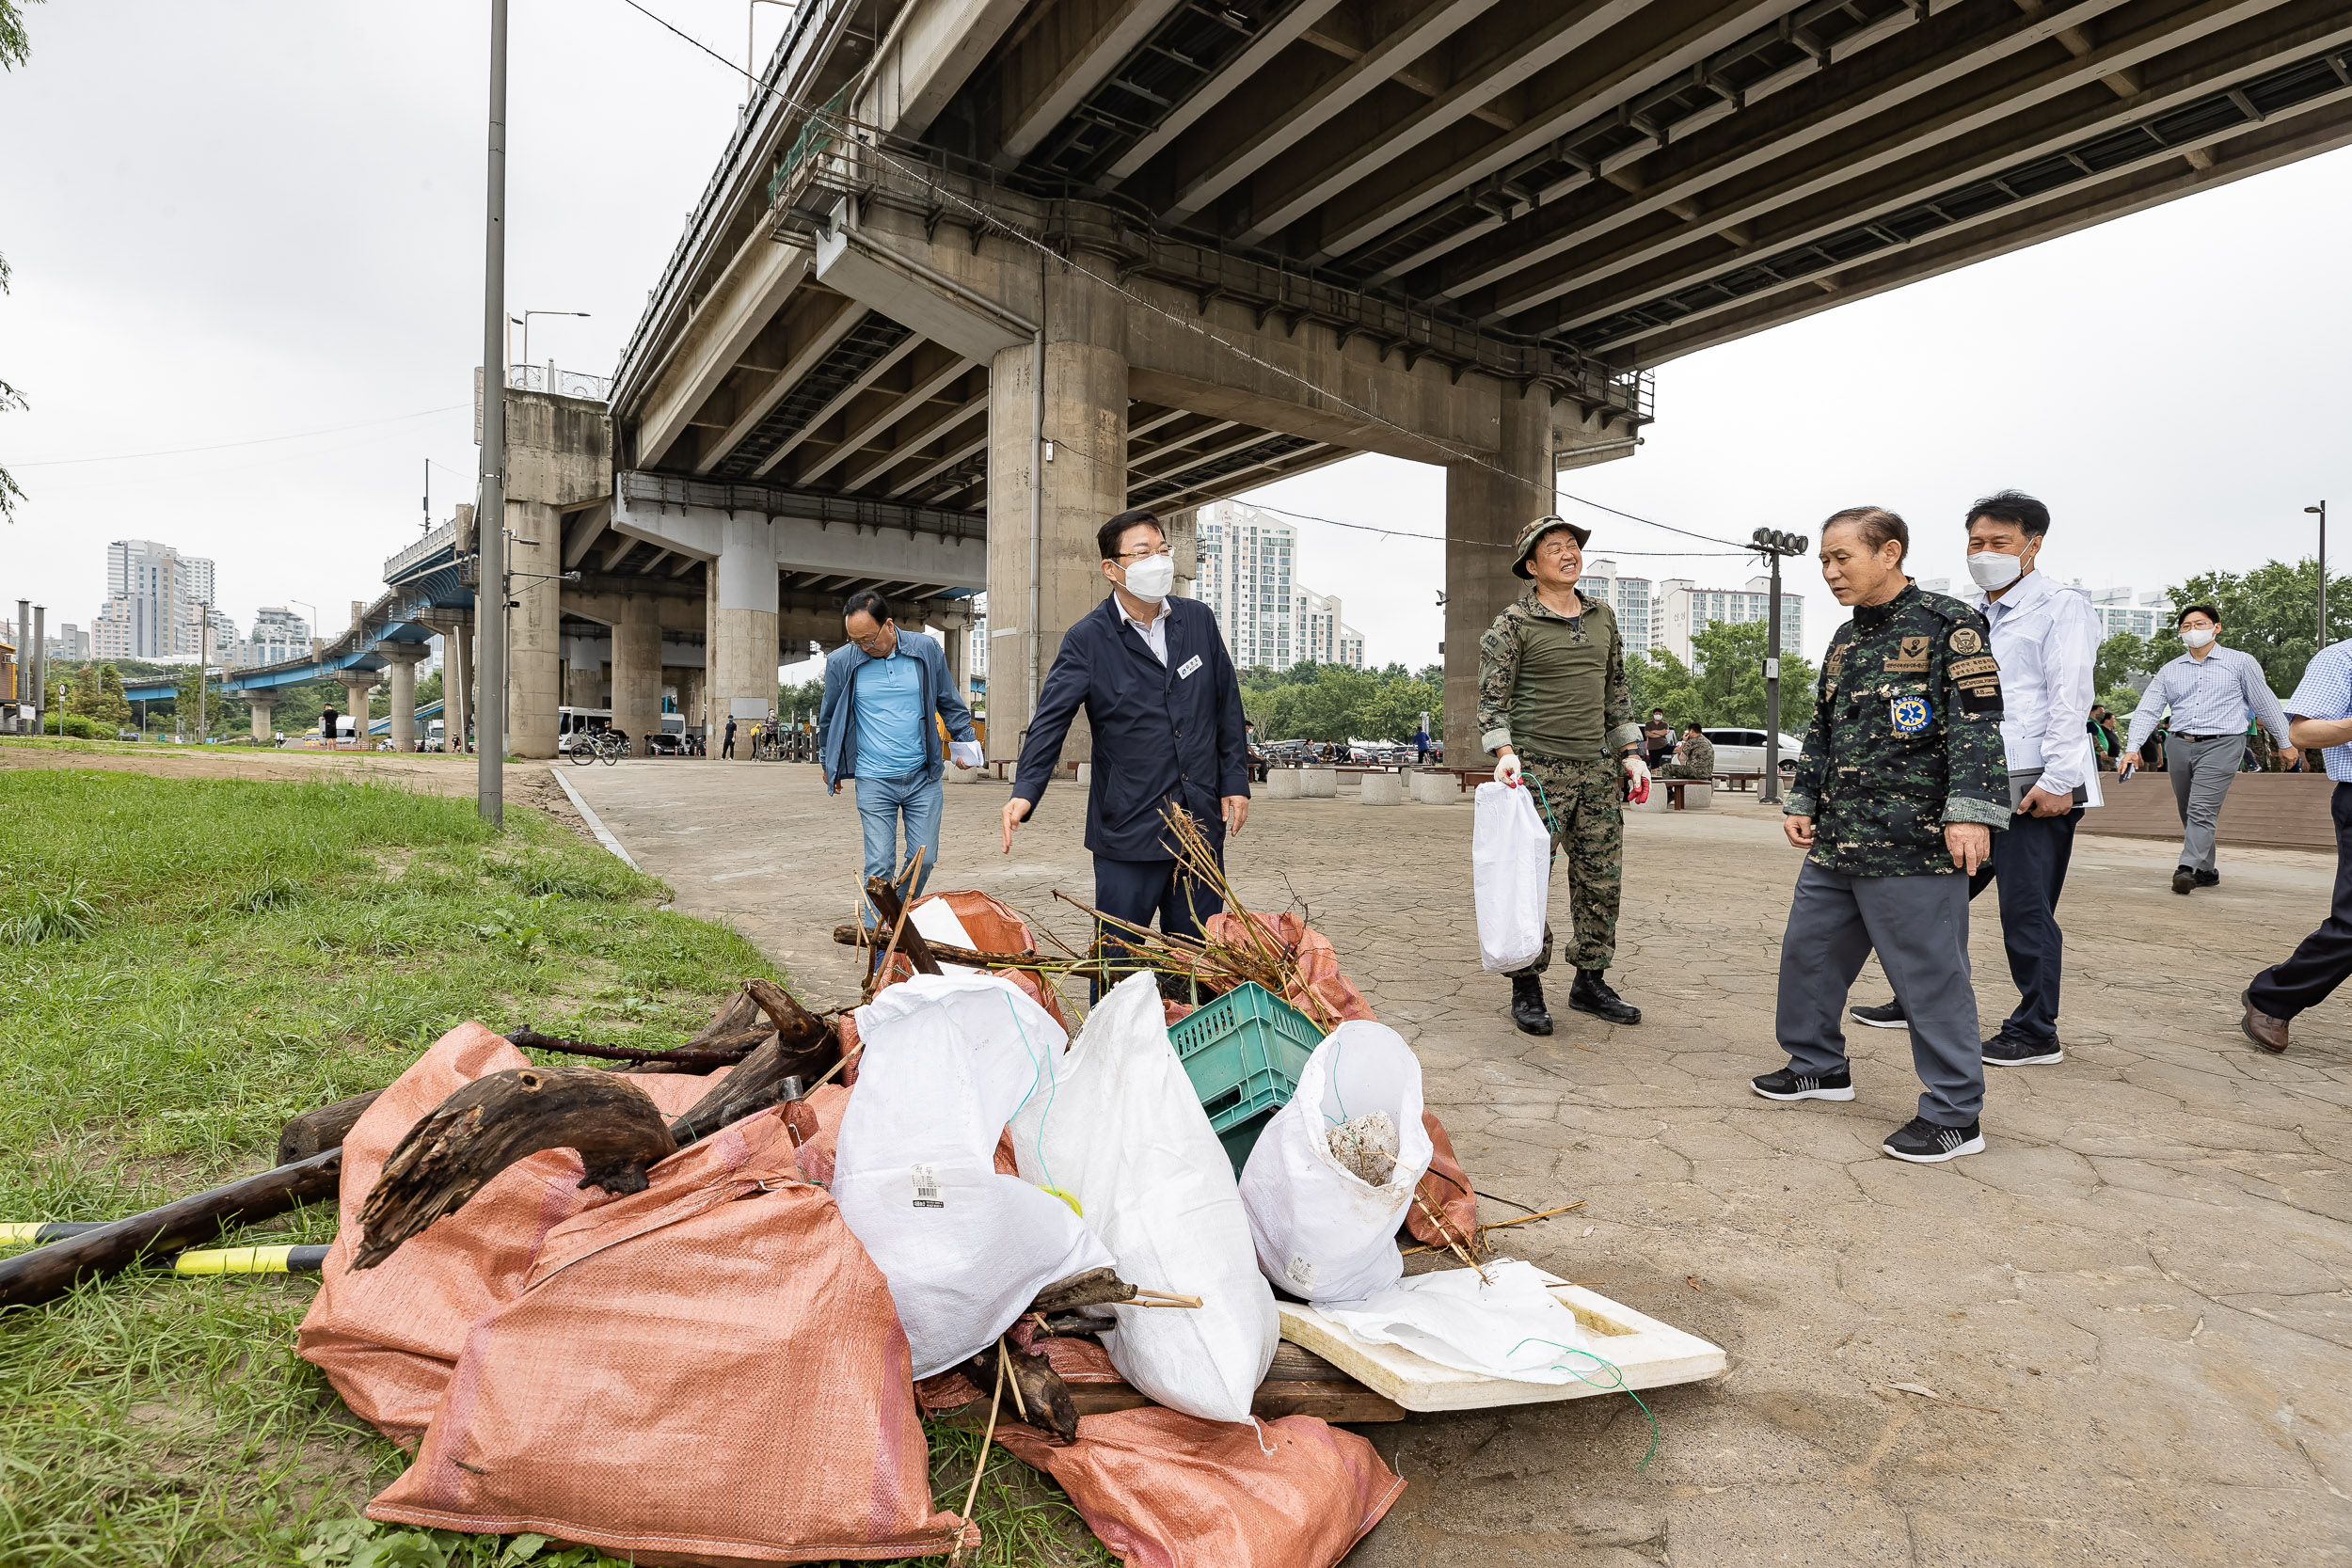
(2267, 1032)
(1591, 994)
(1527, 1005)
(2183, 878)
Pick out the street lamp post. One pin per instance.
(2322, 511)
(524, 320)
(1774, 544)
(490, 516)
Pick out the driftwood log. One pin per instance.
(316, 1132)
(804, 1047)
(699, 1060)
(883, 895)
(496, 1120)
(737, 1027)
(46, 1273)
(1034, 1391)
(949, 953)
(1094, 1288)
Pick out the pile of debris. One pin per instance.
(695, 1308)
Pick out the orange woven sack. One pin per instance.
(1446, 1188)
(387, 1337)
(707, 1373)
(1166, 1490)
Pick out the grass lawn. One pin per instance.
(185, 964)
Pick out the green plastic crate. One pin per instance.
(1244, 1053)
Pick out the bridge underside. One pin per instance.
(1243, 241)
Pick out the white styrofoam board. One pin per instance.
(1651, 1355)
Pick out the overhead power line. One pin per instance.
(256, 441)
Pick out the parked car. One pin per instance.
(1743, 751)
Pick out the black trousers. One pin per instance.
(2321, 963)
(1142, 891)
(2028, 870)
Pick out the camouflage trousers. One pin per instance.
(1583, 802)
(1680, 771)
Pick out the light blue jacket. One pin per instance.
(836, 716)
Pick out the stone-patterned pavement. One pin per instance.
(2135, 1309)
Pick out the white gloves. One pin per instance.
(964, 754)
(1507, 771)
(1636, 779)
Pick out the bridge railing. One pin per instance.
(560, 383)
(432, 544)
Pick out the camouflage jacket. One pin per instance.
(1906, 736)
(1597, 698)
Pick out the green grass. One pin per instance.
(184, 966)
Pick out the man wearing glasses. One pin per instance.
(1151, 672)
(875, 725)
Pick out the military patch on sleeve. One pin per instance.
(1911, 715)
(1836, 662)
(1980, 694)
(1964, 639)
(1912, 660)
(1983, 664)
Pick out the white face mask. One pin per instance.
(1152, 577)
(1992, 569)
(2197, 638)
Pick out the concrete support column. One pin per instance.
(637, 670)
(534, 642)
(1484, 511)
(457, 683)
(357, 683)
(744, 601)
(262, 703)
(404, 659)
(1082, 487)
(960, 657)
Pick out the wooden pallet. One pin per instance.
(1649, 1354)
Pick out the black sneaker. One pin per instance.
(1889, 1016)
(1788, 1084)
(2184, 877)
(1923, 1143)
(2005, 1050)
(2208, 878)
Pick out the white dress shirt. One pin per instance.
(2045, 637)
(1154, 630)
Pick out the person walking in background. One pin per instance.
(1693, 759)
(327, 718)
(2318, 715)
(1897, 793)
(876, 724)
(2104, 745)
(1160, 694)
(727, 748)
(1553, 705)
(2045, 647)
(2211, 692)
(1421, 740)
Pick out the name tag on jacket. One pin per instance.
(1184, 670)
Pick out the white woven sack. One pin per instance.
(1508, 1325)
(1510, 875)
(1323, 1232)
(965, 1250)
(1119, 1129)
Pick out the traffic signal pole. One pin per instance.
(1772, 545)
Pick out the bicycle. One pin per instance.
(603, 746)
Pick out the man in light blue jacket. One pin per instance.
(882, 688)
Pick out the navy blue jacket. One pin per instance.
(836, 716)
(1162, 733)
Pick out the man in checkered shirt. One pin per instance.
(2318, 715)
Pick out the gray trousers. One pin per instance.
(1919, 927)
(2201, 772)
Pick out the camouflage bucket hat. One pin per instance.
(1533, 532)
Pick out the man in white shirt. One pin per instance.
(2045, 640)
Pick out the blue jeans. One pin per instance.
(880, 803)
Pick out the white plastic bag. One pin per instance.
(1322, 1231)
(1514, 1327)
(1120, 1131)
(947, 1059)
(1510, 874)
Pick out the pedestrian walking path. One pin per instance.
(2121, 1335)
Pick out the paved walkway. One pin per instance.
(2132, 1309)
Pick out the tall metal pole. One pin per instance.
(489, 523)
(1768, 791)
(41, 658)
(203, 664)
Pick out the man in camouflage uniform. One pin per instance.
(1699, 756)
(1554, 707)
(1899, 788)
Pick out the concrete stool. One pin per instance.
(1695, 795)
(1435, 789)
(1086, 772)
(1656, 801)
(963, 775)
(1318, 783)
(1383, 790)
(1282, 783)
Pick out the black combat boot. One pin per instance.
(1527, 1005)
(1591, 994)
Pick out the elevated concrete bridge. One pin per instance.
(990, 270)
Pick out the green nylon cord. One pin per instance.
(1051, 1089)
(1619, 1385)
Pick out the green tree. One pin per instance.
(2121, 657)
(1659, 680)
(98, 694)
(15, 48)
(1730, 660)
(800, 701)
(2270, 613)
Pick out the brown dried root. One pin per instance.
(1039, 1394)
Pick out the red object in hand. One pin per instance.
(1637, 793)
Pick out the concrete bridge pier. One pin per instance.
(559, 455)
(456, 682)
(743, 625)
(358, 685)
(637, 670)
(404, 658)
(262, 703)
(1487, 504)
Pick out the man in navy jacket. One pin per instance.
(1152, 674)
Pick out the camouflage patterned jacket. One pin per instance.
(1554, 684)
(1906, 736)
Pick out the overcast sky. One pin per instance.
(247, 221)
